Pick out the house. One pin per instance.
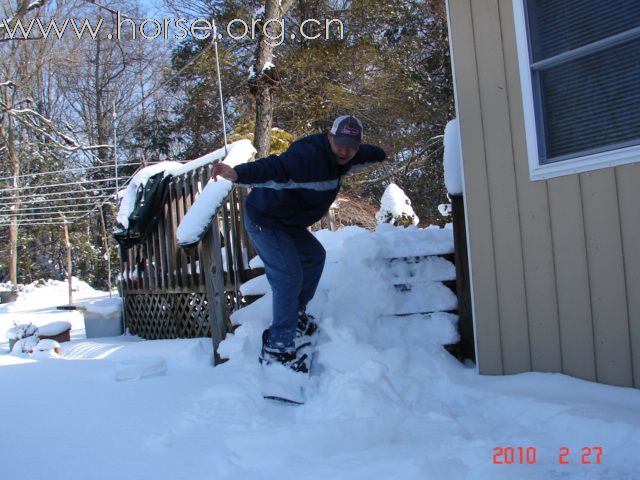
(548, 99)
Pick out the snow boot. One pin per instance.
(286, 357)
(307, 326)
(307, 333)
(283, 375)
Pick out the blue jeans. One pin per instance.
(293, 261)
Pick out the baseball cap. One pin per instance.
(347, 131)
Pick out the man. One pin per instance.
(289, 193)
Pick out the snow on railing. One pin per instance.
(198, 218)
(128, 195)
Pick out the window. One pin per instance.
(580, 73)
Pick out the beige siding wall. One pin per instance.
(555, 264)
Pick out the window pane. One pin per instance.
(556, 26)
(592, 102)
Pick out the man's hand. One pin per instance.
(225, 171)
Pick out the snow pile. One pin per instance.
(256, 286)
(25, 345)
(369, 248)
(56, 292)
(199, 216)
(395, 208)
(452, 158)
(128, 195)
(356, 302)
(413, 241)
(47, 345)
(60, 286)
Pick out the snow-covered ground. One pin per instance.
(386, 401)
(37, 304)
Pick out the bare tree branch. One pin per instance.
(43, 126)
(110, 10)
(25, 7)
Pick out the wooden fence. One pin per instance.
(167, 289)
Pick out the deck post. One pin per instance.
(463, 279)
(214, 274)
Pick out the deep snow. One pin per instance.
(386, 400)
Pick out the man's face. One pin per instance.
(343, 154)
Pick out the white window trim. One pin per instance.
(611, 158)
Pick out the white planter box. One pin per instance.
(98, 325)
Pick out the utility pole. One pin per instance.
(105, 242)
(67, 245)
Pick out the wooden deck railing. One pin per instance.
(171, 292)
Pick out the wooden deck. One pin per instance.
(170, 292)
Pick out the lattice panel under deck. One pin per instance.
(168, 315)
(192, 315)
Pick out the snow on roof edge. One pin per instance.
(452, 158)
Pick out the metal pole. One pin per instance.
(215, 47)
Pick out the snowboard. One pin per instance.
(285, 384)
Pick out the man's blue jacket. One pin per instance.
(295, 189)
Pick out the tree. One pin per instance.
(24, 132)
(7, 140)
(386, 61)
(56, 113)
(265, 77)
(391, 68)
